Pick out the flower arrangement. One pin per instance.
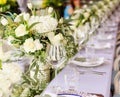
(31, 35)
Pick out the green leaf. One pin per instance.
(33, 25)
(33, 64)
(8, 18)
(36, 72)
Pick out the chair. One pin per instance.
(118, 37)
(117, 44)
(116, 95)
(117, 83)
(117, 52)
(116, 66)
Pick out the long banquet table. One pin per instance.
(88, 82)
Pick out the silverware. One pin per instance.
(92, 72)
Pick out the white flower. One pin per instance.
(57, 39)
(17, 19)
(51, 35)
(10, 39)
(47, 23)
(29, 45)
(29, 5)
(10, 74)
(86, 15)
(4, 21)
(61, 21)
(85, 6)
(38, 45)
(50, 10)
(26, 16)
(20, 30)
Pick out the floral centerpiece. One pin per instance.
(32, 35)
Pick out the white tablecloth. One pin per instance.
(88, 82)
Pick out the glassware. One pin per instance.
(56, 56)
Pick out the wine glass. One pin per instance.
(56, 56)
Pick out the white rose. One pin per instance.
(50, 10)
(29, 45)
(57, 39)
(38, 45)
(20, 30)
(4, 21)
(29, 5)
(26, 16)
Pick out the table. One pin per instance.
(91, 83)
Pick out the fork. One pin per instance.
(93, 72)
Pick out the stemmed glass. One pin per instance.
(56, 56)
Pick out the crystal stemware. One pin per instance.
(56, 56)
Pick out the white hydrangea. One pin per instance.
(10, 74)
(46, 23)
(20, 30)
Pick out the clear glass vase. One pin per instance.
(40, 71)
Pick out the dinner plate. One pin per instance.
(69, 95)
(102, 46)
(109, 37)
(89, 63)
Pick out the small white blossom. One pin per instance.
(4, 21)
(26, 16)
(20, 30)
(10, 39)
(17, 19)
(50, 10)
(29, 45)
(29, 5)
(22, 16)
(61, 21)
(38, 45)
(86, 15)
